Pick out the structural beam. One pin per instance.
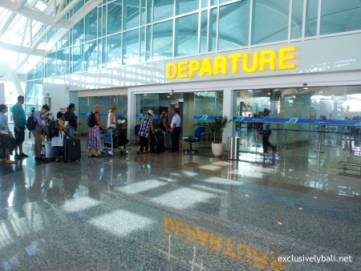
(22, 49)
(31, 13)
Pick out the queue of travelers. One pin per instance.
(54, 131)
(147, 132)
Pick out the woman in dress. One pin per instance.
(94, 143)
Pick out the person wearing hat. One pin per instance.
(146, 127)
(266, 133)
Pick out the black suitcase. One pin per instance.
(72, 150)
(157, 142)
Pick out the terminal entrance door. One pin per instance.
(314, 129)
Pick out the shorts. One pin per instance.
(19, 135)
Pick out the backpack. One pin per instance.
(31, 123)
(54, 128)
(92, 120)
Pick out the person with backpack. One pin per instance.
(19, 118)
(94, 124)
(72, 120)
(57, 140)
(40, 119)
(6, 137)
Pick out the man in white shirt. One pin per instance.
(175, 129)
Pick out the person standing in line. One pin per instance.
(112, 118)
(266, 133)
(19, 118)
(41, 117)
(72, 120)
(6, 137)
(175, 129)
(145, 129)
(57, 142)
(164, 121)
(94, 123)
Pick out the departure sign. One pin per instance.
(257, 61)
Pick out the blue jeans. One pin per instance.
(58, 152)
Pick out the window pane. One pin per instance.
(91, 25)
(186, 37)
(114, 21)
(148, 48)
(78, 32)
(91, 55)
(143, 12)
(63, 61)
(131, 14)
(101, 21)
(212, 30)
(163, 9)
(340, 16)
(149, 11)
(131, 47)
(204, 3)
(114, 53)
(203, 41)
(77, 58)
(101, 52)
(50, 66)
(184, 6)
(142, 43)
(297, 12)
(311, 18)
(162, 40)
(270, 21)
(233, 25)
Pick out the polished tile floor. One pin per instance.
(176, 212)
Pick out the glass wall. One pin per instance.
(86, 105)
(196, 108)
(306, 123)
(128, 32)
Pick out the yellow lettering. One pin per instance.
(258, 260)
(168, 224)
(215, 242)
(246, 65)
(267, 57)
(242, 252)
(183, 69)
(194, 66)
(206, 67)
(277, 265)
(285, 55)
(171, 71)
(229, 248)
(220, 63)
(189, 233)
(178, 228)
(202, 236)
(235, 62)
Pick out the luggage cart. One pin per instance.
(108, 142)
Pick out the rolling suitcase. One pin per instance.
(167, 141)
(72, 150)
(47, 151)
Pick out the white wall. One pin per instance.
(59, 95)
